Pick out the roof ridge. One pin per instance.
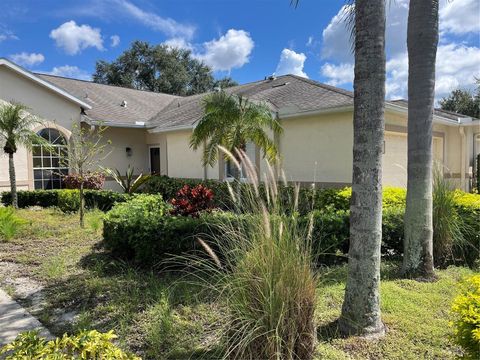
(322, 85)
(110, 85)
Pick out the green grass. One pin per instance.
(157, 316)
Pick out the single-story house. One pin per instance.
(150, 131)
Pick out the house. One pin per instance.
(151, 131)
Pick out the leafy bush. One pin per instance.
(131, 227)
(69, 200)
(98, 199)
(90, 180)
(88, 345)
(168, 188)
(9, 223)
(468, 209)
(466, 312)
(191, 201)
(43, 198)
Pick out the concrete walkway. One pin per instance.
(14, 319)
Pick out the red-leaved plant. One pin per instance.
(191, 201)
(91, 180)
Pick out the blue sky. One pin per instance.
(244, 39)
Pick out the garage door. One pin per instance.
(395, 158)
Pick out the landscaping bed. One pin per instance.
(76, 284)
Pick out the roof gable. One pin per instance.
(42, 82)
(114, 105)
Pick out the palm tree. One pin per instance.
(361, 307)
(16, 126)
(422, 40)
(232, 121)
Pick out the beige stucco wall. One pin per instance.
(183, 162)
(42, 102)
(317, 148)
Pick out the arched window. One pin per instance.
(49, 165)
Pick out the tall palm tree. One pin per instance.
(16, 126)
(422, 40)
(361, 307)
(232, 121)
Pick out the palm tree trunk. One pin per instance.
(422, 40)
(361, 306)
(13, 181)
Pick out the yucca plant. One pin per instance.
(262, 273)
(128, 182)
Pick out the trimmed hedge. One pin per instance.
(143, 230)
(309, 199)
(67, 200)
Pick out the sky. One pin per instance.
(244, 39)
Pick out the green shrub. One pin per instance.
(168, 188)
(143, 230)
(94, 199)
(69, 200)
(9, 223)
(466, 312)
(43, 198)
(330, 235)
(468, 209)
(104, 199)
(88, 345)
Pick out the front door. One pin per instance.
(155, 160)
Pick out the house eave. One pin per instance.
(43, 83)
(171, 129)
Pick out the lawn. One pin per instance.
(62, 274)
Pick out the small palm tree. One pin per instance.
(232, 121)
(16, 126)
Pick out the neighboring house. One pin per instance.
(151, 131)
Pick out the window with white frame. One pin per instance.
(49, 164)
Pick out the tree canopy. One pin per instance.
(463, 102)
(159, 68)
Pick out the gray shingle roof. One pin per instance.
(287, 92)
(106, 100)
(439, 112)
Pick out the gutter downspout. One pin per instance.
(463, 184)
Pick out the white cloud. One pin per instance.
(337, 42)
(338, 74)
(460, 16)
(457, 62)
(336, 37)
(291, 63)
(73, 38)
(179, 43)
(230, 51)
(457, 67)
(309, 41)
(7, 35)
(27, 59)
(115, 40)
(70, 72)
(164, 24)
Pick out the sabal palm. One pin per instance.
(232, 121)
(16, 126)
